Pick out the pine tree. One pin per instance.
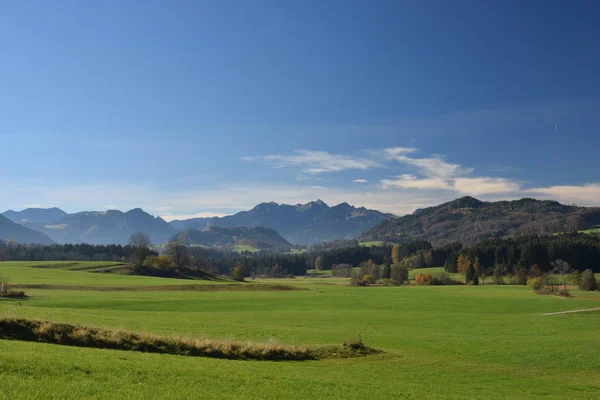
(470, 274)
(450, 265)
(387, 270)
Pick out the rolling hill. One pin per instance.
(11, 230)
(469, 220)
(308, 223)
(256, 237)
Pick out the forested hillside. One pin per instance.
(468, 220)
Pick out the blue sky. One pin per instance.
(201, 108)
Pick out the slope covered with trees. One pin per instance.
(469, 221)
(256, 237)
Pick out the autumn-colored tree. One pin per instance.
(396, 254)
(423, 279)
(463, 263)
(238, 274)
(374, 270)
(318, 263)
(368, 278)
(428, 259)
(161, 262)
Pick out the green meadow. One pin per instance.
(445, 342)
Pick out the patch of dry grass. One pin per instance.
(260, 287)
(85, 336)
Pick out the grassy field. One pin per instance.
(244, 247)
(373, 243)
(590, 231)
(448, 342)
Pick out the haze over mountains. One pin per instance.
(93, 227)
(11, 230)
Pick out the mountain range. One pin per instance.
(308, 223)
(93, 227)
(468, 220)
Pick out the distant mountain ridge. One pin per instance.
(256, 237)
(308, 223)
(11, 230)
(95, 227)
(40, 215)
(469, 220)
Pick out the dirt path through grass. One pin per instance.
(572, 311)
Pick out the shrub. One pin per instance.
(534, 271)
(498, 275)
(536, 283)
(576, 278)
(423, 279)
(387, 281)
(444, 279)
(368, 279)
(520, 277)
(16, 294)
(588, 281)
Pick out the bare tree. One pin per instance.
(564, 270)
(140, 247)
(3, 287)
(178, 252)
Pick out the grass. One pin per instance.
(374, 243)
(591, 231)
(446, 342)
(244, 247)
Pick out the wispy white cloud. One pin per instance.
(432, 167)
(315, 162)
(485, 185)
(439, 174)
(360, 181)
(587, 194)
(408, 181)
